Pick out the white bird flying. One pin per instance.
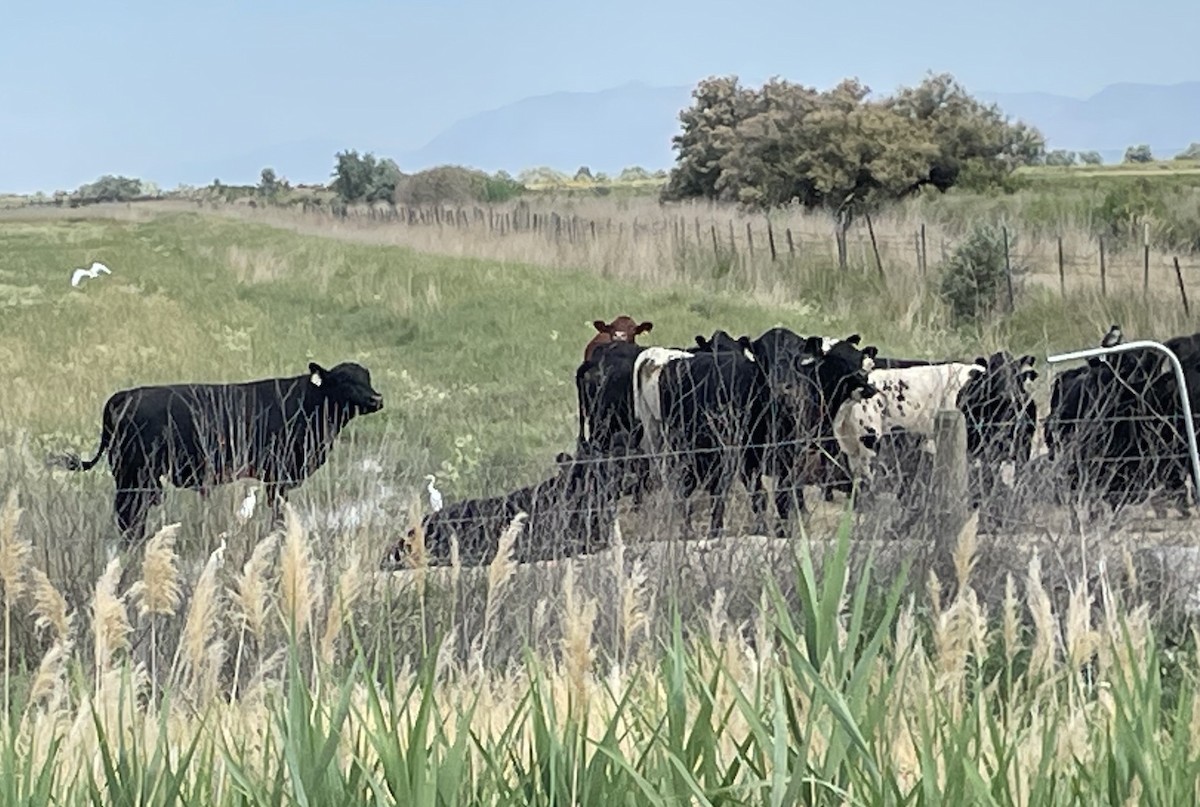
(435, 495)
(247, 508)
(94, 271)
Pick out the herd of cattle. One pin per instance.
(801, 410)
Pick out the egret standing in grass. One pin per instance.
(94, 271)
(435, 495)
(247, 508)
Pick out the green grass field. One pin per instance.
(285, 670)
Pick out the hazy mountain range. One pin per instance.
(633, 124)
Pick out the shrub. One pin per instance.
(1139, 154)
(457, 185)
(973, 279)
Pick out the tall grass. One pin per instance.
(858, 696)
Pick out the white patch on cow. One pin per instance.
(647, 401)
(315, 378)
(909, 398)
(750, 356)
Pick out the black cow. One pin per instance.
(197, 436)
(1116, 429)
(571, 513)
(727, 416)
(604, 386)
(1001, 416)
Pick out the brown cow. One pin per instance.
(621, 329)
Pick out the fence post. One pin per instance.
(874, 245)
(1062, 275)
(749, 241)
(1146, 259)
(791, 243)
(716, 246)
(924, 251)
(1182, 291)
(1012, 306)
(949, 504)
(771, 240)
(1103, 271)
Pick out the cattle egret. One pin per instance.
(94, 271)
(247, 508)
(435, 495)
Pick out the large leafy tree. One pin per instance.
(364, 178)
(839, 150)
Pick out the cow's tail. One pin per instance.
(73, 462)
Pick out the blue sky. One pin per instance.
(146, 87)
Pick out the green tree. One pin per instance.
(584, 174)
(1192, 152)
(108, 188)
(1091, 158)
(268, 183)
(836, 149)
(1139, 154)
(1060, 157)
(634, 173)
(363, 178)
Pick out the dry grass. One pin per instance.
(940, 702)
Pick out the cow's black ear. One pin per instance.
(701, 342)
(853, 339)
(871, 352)
(318, 373)
(812, 345)
(562, 458)
(600, 325)
(1027, 360)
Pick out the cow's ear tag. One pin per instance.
(315, 378)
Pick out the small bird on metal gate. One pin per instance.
(94, 271)
(435, 495)
(1113, 337)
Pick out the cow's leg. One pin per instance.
(132, 502)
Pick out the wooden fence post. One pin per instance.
(791, 243)
(924, 251)
(874, 245)
(949, 506)
(1146, 259)
(1182, 291)
(1008, 273)
(1062, 275)
(749, 241)
(716, 246)
(1103, 271)
(771, 240)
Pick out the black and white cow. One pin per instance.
(197, 436)
(908, 401)
(735, 415)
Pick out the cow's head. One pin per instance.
(623, 328)
(347, 384)
(842, 376)
(722, 342)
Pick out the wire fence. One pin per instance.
(714, 239)
(1118, 479)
